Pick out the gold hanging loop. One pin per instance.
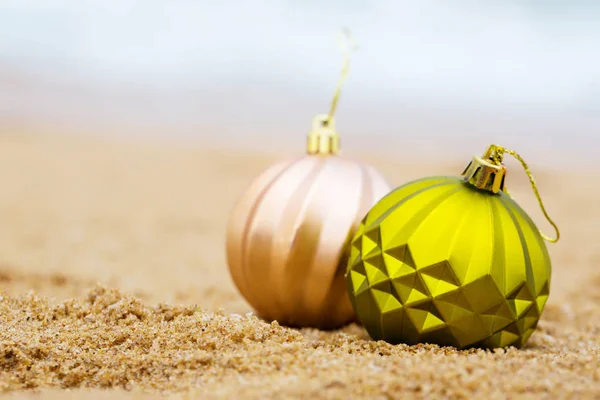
(348, 45)
(497, 155)
(323, 138)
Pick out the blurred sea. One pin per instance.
(440, 75)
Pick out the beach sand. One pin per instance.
(114, 285)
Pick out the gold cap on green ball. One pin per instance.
(487, 172)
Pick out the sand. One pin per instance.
(114, 285)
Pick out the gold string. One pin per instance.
(347, 45)
(498, 151)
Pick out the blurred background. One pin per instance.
(430, 75)
(129, 128)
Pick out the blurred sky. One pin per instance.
(425, 70)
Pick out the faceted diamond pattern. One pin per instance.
(404, 302)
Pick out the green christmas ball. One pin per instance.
(451, 261)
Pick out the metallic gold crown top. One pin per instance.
(487, 172)
(323, 138)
